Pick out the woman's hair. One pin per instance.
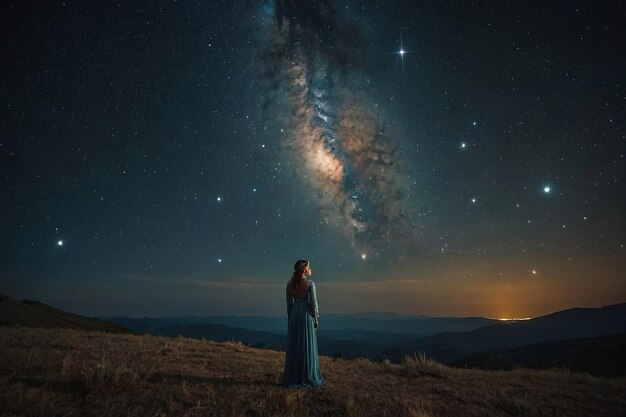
(296, 286)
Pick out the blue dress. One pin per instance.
(302, 366)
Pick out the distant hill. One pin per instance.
(151, 324)
(393, 342)
(379, 327)
(602, 356)
(36, 314)
(379, 315)
(326, 345)
(575, 323)
(220, 333)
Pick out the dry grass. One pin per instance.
(419, 365)
(62, 372)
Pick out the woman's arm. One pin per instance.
(289, 302)
(313, 302)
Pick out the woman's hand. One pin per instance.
(316, 324)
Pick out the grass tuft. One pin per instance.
(418, 364)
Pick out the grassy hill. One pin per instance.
(36, 314)
(52, 372)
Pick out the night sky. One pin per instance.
(438, 158)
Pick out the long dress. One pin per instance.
(302, 367)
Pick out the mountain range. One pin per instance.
(587, 339)
(459, 341)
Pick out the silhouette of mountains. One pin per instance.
(602, 356)
(354, 326)
(575, 323)
(220, 333)
(586, 339)
(36, 314)
(451, 347)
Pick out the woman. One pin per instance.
(302, 367)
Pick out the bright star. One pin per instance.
(546, 189)
(363, 256)
(463, 145)
(60, 243)
(219, 199)
(534, 272)
(402, 51)
(473, 123)
(219, 260)
(473, 200)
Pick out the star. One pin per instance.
(473, 199)
(219, 199)
(60, 243)
(463, 145)
(401, 50)
(363, 256)
(219, 260)
(546, 189)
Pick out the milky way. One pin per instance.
(349, 155)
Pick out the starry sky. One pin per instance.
(445, 158)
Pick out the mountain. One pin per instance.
(216, 332)
(341, 336)
(417, 327)
(151, 324)
(601, 356)
(537, 342)
(359, 335)
(36, 314)
(220, 333)
(379, 315)
(575, 323)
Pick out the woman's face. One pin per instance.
(307, 270)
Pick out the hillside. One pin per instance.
(36, 314)
(575, 323)
(604, 356)
(50, 372)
